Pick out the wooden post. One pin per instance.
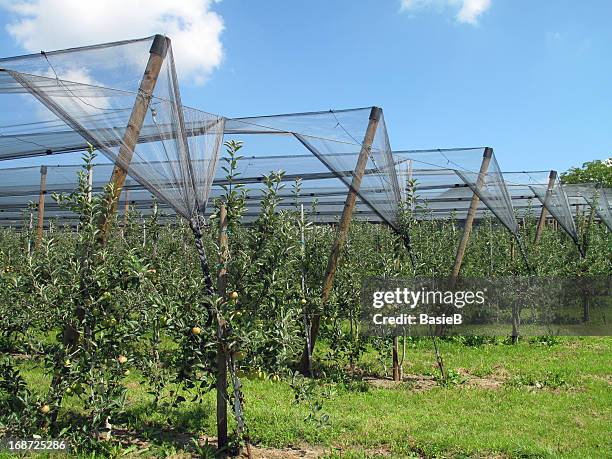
(343, 228)
(586, 303)
(586, 307)
(397, 375)
(469, 221)
(552, 177)
(587, 230)
(221, 382)
(41, 204)
(515, 322)
(132, 132)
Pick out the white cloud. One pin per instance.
(471, 9)
(55, 24)
(467, 11)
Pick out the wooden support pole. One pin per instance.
(343, 228)
(41, 204)
(469, 221)
(397, 374)
(587, 230)
(157, 54)
(132, 132)
(552, 177)
(221, 383)
(515, 322)
(586, 307)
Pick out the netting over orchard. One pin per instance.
(56, 103)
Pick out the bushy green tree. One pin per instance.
(597, 171)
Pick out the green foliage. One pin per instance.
(452, 378)
(73, 307)
(597, 171)
(313, 394)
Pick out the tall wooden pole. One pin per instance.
(157, 55)
(469, 221)
(397, 374)
(221, 351)
(552, 177)
(41, 204)
(587, 229)
(467, 230)
(345, 222)
(126, 207)
(515, 322)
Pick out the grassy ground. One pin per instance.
(529, 400)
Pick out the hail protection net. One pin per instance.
(404, 172)
(322, 203)
(433, 167)
(553, 198)
(598, 199)
(440, 193)
(100, 94)
(320, 149)
(333, 141)
(524, 200)
(491, 189)
(29, 128)
(604, 207)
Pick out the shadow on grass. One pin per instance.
(177, 426)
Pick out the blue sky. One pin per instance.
(529, 78)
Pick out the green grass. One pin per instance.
(555, 401)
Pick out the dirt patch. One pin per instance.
(183, 441)
(493, 381)
(311, 452)
(484, 383)
(414, 382)
(304, 452)
(419, 383)
(289, 452)
(185, 448)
